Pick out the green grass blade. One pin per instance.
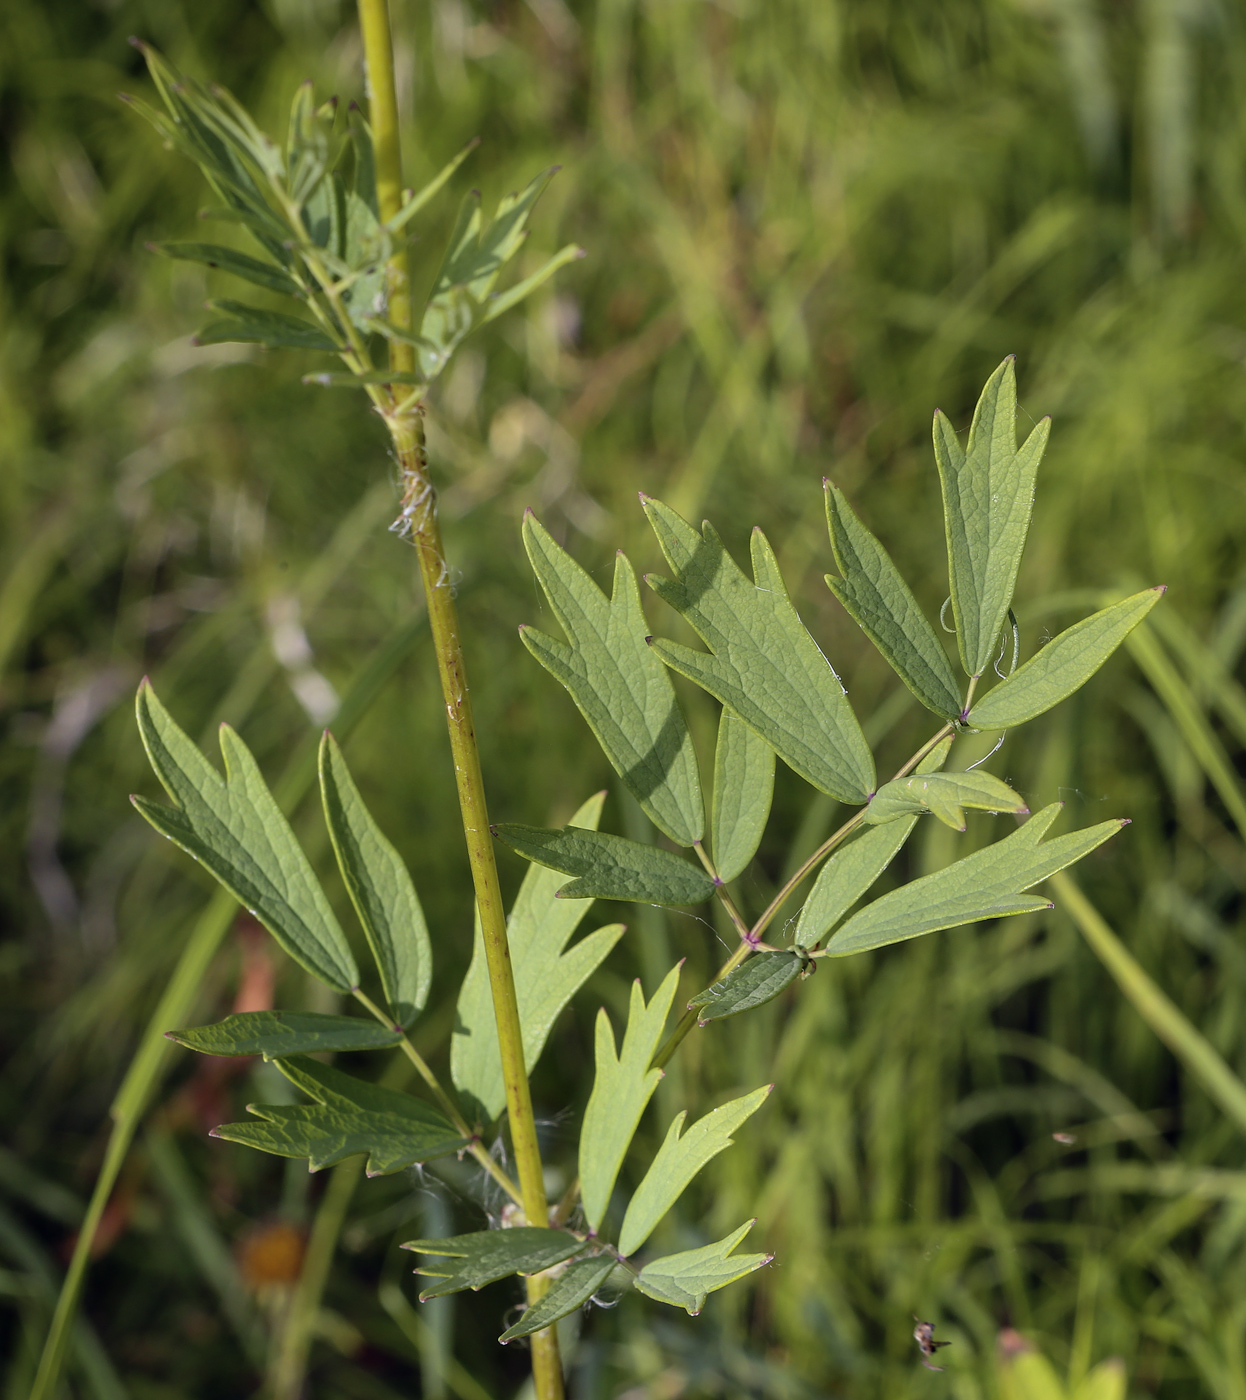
(623, 1085)
(762, 663)
(684, 1280)
(743, 789)
(380, 888)
(988, 494)
(1164, 1017)
(277, 1033)
(618, 685)
(1065, 664)
(877, 597)
(571, 1290)
(236, 830)
(609, 867)
(547, 975)
(679, 1159)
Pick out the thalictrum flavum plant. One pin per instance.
(330, 221)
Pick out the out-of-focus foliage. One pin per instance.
(809, 223)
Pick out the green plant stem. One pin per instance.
(419, 505)
(290, 1365)
(1160, 1013)
(449, 1107)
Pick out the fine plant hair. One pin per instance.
(331, 220)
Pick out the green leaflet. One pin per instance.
(569, 1291)
(619, 686)
(985, 885)
(273, 329)
(546, 978)
(678, 1160)
(609, 867)
(846, 877)
(380, 888)
(743, 788)
(348, 1117)
(946, 795)
(488, 1255)
(762, 663)
(235, 829)
(883, 606)
(988, 493)
(753, 983)
(262, 274)
(418, 200)
(276, 1033)
(623, 1086)
(684, 1280)
(476, 254)
(1064, 664)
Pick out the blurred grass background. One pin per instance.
(809, 223)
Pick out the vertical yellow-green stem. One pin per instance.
(420, 510)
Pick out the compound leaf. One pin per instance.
(277, 1033)
(235, 828)
(884, 607)
(547, 975)
(609, 867)
(349, 1116)
(988, 494)
(684, 1280)
(273, 329)
(985, 885)
(946, 795)
(762, 663)
(1066, 663)
(618, 685)
(753, 983)
(571, 1290)
(743, 788)
(484, 1257)
(623, 1085)
(380, 888)
(679, 1159)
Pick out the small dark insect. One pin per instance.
(923, 1335)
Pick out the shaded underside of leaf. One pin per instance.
(762, 663)
(277, 1033)
(471, 1261)
(571, 1290)
(618, 684)
(880, 601)
(986, 885)
(1064, 664)
(678, 1160)
(380, 888)
(609, 867)
(622, 1087)
(759, 980)
(349, 1117)
(236, 830)
(988, 494)
(684, 1280)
